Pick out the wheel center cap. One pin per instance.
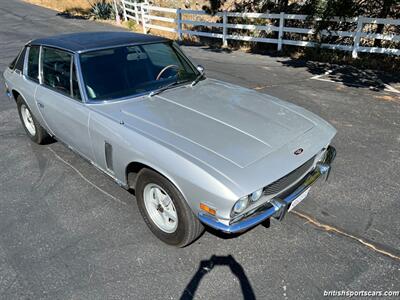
(160, 208)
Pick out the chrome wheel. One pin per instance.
(28, 120)
(160, 208)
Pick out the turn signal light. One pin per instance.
(207, 209)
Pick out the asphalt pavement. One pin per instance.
(67, 231)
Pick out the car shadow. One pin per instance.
(206, 266)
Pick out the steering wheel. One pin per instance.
(165, 69)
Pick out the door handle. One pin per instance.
(40, 104)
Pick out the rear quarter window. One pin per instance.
(12, 64)
(18, 62)
(19, 65)
(33, 63)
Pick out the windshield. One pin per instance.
(126, 71)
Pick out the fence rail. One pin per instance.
(145, 14)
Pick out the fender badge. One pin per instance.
(298, 151)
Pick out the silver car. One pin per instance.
(195, 150)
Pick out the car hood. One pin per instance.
(236, 124)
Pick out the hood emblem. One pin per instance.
(298, 151)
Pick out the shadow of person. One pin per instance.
(206, 266)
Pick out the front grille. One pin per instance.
(287, 180)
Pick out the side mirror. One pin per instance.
(200, 68)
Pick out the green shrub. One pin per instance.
(101, 9)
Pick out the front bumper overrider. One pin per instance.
(278, 206)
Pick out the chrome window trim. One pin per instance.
(28, 48)
(71, 69)
(121, 45)
(131, 97)
(79, 76)
(51, 46)
(61, 94)
(40, 66)
(176, 47)
(99, 48)
(71, 87)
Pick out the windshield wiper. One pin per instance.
(163, 88)
(198, 78)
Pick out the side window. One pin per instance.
(57, 70)
(19, 64)
(33, 63)
(76, 93)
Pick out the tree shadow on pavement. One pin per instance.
(206, 45)
(75, 13)
(206, 266)
(346, 74)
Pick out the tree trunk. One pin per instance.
(386, 6)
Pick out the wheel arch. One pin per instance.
(15, 94)
(133, 169)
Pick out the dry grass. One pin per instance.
(77, 8)
(62, 5)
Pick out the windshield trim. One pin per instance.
(121, 45)
(173, 45)
(139, 95)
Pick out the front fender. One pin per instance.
(196, 181)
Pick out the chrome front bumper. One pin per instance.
(279, 205)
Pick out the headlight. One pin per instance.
(256, 195)
(241, 205)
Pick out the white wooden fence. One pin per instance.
(145, 14)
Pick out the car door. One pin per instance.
(59, 100)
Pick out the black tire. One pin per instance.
(189, 227)
(41, 135)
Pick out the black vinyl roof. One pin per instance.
(85, 41)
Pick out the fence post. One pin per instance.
(224, 29)
(143, 17)
(357, 37)
(117, 19)
(179, 23)
(124, 7)
(280, 33)
(136, 12)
